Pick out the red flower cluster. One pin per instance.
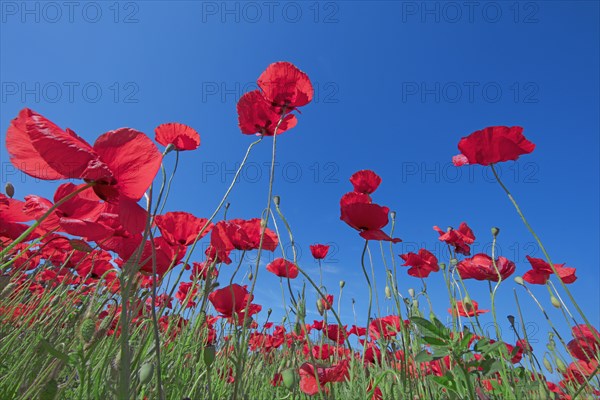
(283, 88)
(358, 211)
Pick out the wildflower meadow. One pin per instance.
(97, 296)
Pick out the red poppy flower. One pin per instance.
(122, 163)
(585, 346)
(187, 290)
(460, 238)
(284, 85)
(319, 251)
(257, 116)
(466, 310)
(422, 263)
(240, 234)
(481, 267)
(386, 327)
(365, 181)
(231, 302)
(41, 149)
(336, 333)
(166, 255)
(541, 271)
(492, 145)
(309, 373)
(354, 197)
(181, 136)
(181, 227)
(203, 270)
(368, 219)
(283, 268)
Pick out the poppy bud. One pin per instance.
(388, 292)
(495, 231)
(290, 378)
(555, 302)
(269, 311)
(519, 280)
(145, 373)
(467, 303)
(453, 262)
(9, 189)
(411, 292)
(49, 391)
(393, 215)
(87, 330)
(548, 364)
(250, 276)
(560, 365)
(342, 284)
(209, 355)
(320, 307)
(443, 266)
(511, 319)
(276, 200)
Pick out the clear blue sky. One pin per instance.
(397, 85)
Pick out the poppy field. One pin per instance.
(104, 294)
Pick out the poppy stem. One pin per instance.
(539, 242)
(362, 264)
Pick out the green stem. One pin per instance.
(539, 242)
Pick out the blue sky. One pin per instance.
(397, 85)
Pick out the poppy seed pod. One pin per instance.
(548, 364)
(87, 330)
(342, 284)
(290, 378)
(393, 215)
(519, 280)
(388, 292)
(276, 200)
(9, 189)
(145, 373)
(495, 231)
(320, 307)
(560, 365)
